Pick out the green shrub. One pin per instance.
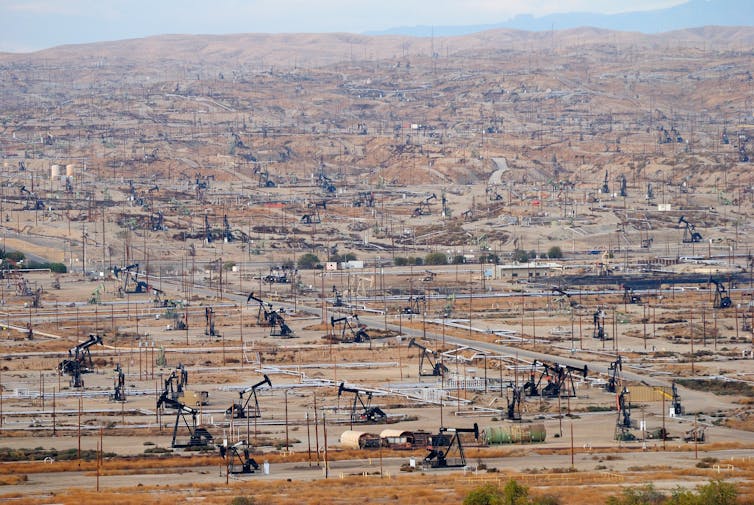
(436, 258)
(308, 261)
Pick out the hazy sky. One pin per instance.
(28, 25)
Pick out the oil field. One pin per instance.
(339, 268)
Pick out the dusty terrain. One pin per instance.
(377, 151)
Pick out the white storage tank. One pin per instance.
(55, 171)
(70, 170)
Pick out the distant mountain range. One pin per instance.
(694, 13)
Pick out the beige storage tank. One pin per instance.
(359, 440)
(54, 171)
(70, 170)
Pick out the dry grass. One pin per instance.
(439, 488)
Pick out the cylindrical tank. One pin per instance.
(516, 433)
(350, 439)
(70, 170)
(54, 171)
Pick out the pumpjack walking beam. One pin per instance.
(358, 335)
(239, 411)
(446, 441)
(367, 413)
(119, 389)
(263, 314)
(423, 209)
(436, 368)
(559, 380)
(239, 456)
(614, 380)
(690, 235)
(198, 437)
(722, 299)
(79, 361)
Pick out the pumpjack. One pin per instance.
(623, 423)
(239, 411)
(264, 179)
(207, 230)
(364, 199)
(614, 379)
(227, 233)
(513, 411)
(79, 361)
(446, 448)
(176, 382)
(414, 304)
(131, 276)
(696, 434)
(436, 368)
(264, 315)
(33, 202)
(198, 437)
(598, 318)
(559, 380)
(623, 186)
(722, 299)
(119, 389)
(629, 296)
(326, 183)
(209, 319)
(605, 185)
(690, 235)
(278, 275)
(650, 192)
(358, 334)
(361, 411)
(238, 457)
(157, 221)
(573, 303)
(338, 297)
(423, 208)
(313, 216)
(278, 327)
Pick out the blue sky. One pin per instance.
(29, 25)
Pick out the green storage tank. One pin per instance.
(515, 434)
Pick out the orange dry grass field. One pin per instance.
(573, 488)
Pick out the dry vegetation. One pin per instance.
(192, 128)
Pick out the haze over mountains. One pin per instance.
(694, 13)
(315, 50)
